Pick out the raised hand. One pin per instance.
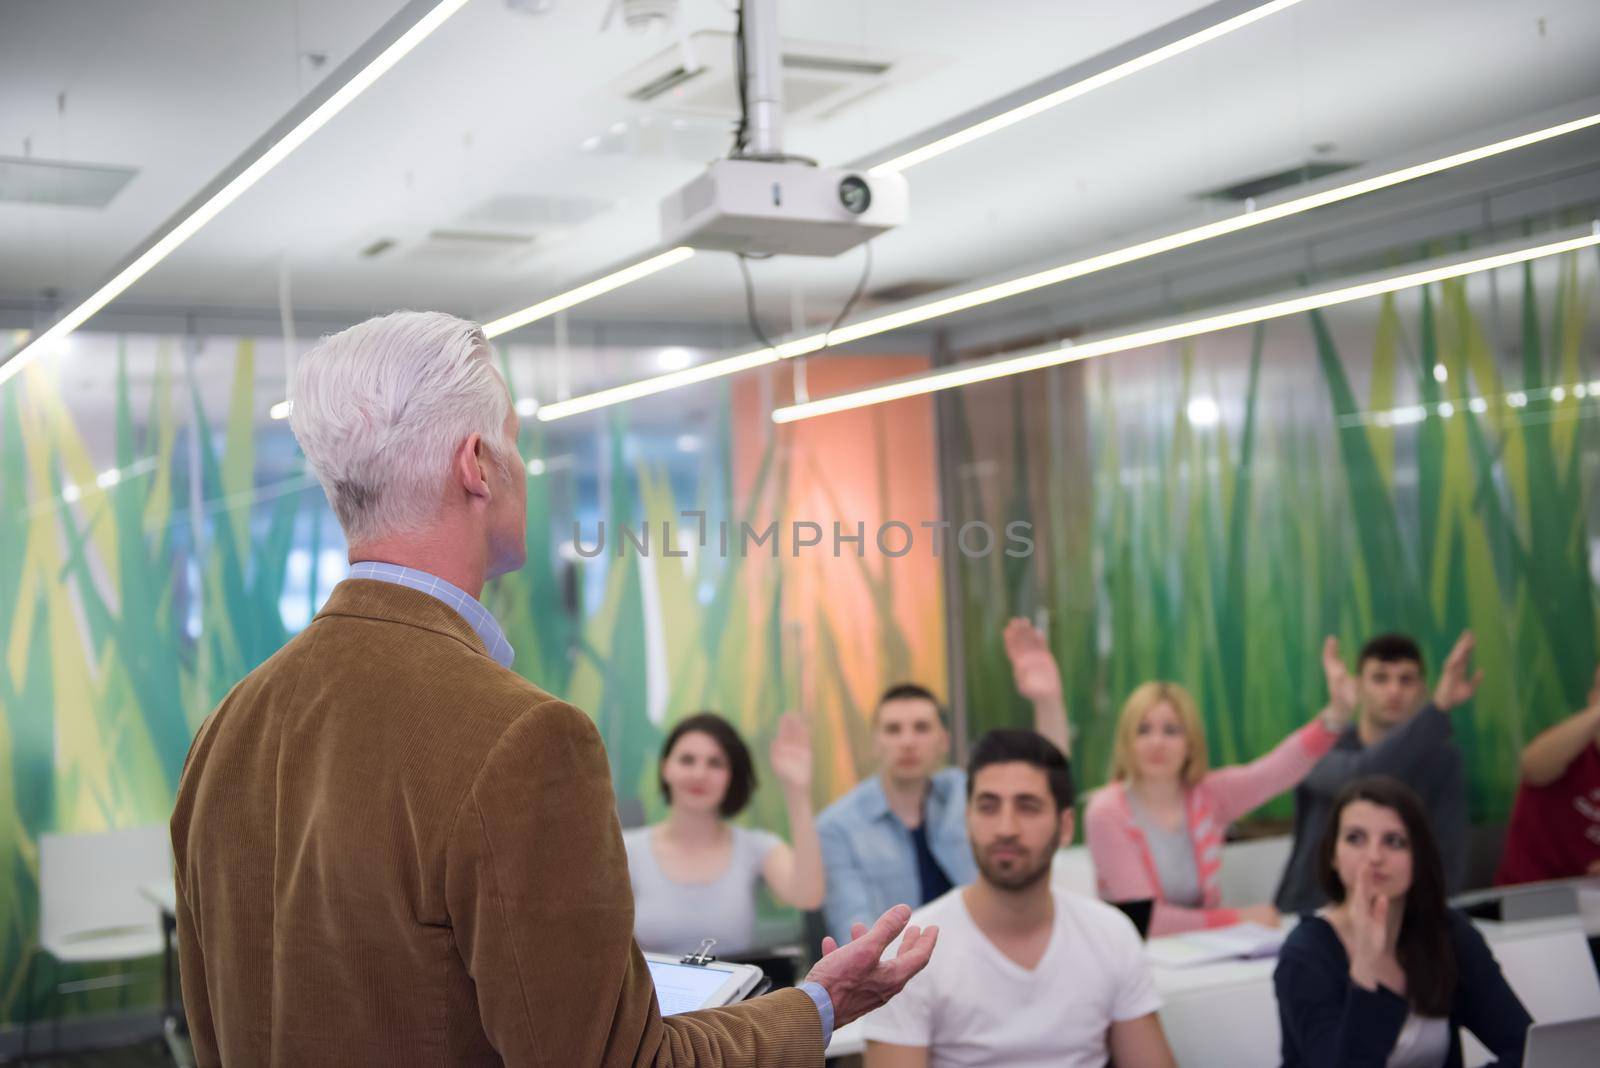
(855, 977)
(1456, 683)
(791, 753)
(1033, 665)
(1342, 690)
(1594, 691)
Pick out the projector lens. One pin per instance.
(855, 194)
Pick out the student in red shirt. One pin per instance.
(1555, 824)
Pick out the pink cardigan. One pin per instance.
(1124, 868)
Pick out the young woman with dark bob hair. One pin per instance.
(695, 873)
(1387, 974)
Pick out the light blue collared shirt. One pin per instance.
(483, 623)
(870, 859)
(467, 607)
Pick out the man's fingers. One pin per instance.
(857, 930)
(828, 945)
(888, 928)
(912, 958)
(1477, 680)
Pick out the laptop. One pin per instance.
(1568, 1044)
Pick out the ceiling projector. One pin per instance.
(762, 207)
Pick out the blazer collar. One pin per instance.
(372, 599)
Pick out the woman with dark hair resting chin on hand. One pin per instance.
(1388, 974)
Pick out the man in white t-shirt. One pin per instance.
(1026, 976)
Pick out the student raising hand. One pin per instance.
(1457, 683)
(1038, 678)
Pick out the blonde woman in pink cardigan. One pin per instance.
(1155, 830)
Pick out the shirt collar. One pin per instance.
(876, 802)
(469, 608)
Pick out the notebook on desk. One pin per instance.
(1242, 941)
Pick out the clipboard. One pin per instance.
(699, 980)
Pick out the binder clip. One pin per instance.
(701, 957)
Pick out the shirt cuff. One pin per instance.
(824, 1005)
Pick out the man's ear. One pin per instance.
(1068, 826)
(471, 466)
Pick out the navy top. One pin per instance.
(934, 882)
(1327, 1020)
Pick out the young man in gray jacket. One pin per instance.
(1398, 731)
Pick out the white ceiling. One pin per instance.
(499, 104)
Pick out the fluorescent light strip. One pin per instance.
(273, 155)
(1071, 92)
(661, 383)
(1000, 368)
(1195, 235)
(588, 291)
(1054, 275)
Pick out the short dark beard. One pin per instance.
(1016, 882)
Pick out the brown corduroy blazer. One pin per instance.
(392, 851)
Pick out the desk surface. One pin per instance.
(1176, 984)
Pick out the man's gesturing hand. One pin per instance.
(853, 975)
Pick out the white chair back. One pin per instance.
(1073, 871)
(1233, 1025)
(1552, 973)
(1251, 870)
(90, 882)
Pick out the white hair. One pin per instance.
(381, 408)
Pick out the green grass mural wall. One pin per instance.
(1219, 556)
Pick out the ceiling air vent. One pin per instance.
(471, 246)
(1255, 188)
(670, 80)
(68, 185)
(819, 78)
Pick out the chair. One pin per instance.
(1251, 869)
(1236, 1024)
(1073, 871)
(91, 912)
